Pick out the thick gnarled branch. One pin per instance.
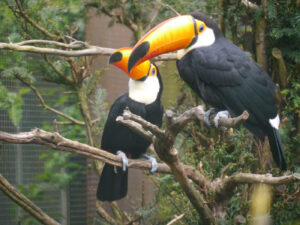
(163, 144)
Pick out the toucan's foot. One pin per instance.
(124, 159)
(207, 115)
(153, 163)
(220, 114)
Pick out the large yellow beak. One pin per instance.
(171, 35)
(120, 58)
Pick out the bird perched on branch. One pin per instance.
(218, 71)
(143, 99)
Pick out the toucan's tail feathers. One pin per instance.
(277, 148)
(112, 184)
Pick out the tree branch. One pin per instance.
(250, 5)
(61, 74)
(136, 127)
(44, 105)
(169, 7)
(33, 23)
(221, 187)
(127, 115)
(57, 142)
(104, 214)
(225, 187)
(72, 45)
(282, 71)
(91, 50)
(176, 219)
(88, 51)
(24, 202)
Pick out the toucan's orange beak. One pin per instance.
(120, 58)
(171, 35)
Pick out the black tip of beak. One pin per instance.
(115, 57)
(137, 54)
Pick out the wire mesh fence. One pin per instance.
(21, 164)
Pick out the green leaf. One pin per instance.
(15, 114)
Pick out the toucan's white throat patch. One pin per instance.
(204, 39)
(144, 91)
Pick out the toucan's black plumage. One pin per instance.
(220, 73)
(225, 77)
(113, 185)
(113, 181)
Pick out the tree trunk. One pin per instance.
(260, 33)
(281, 71)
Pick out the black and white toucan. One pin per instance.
(218, 71)
(143, 99)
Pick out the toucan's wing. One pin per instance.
(224, 73)
(117, 136)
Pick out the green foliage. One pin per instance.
(171, 200)
(284, 23)
(12, 102)
(286, 206)
(58, 169)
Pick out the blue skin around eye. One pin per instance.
(153, 71)
(201, 28)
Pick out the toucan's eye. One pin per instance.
(152, 71)
(201, 28)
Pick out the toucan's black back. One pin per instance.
(226, 78)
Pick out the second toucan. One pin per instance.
(143, 99)
(221, 73)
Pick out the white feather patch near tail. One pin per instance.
(275, 122)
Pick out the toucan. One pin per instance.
(222, 74)
(143, 99)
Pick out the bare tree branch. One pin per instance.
(169, 7)
(155, 13)
(61, 74)
(88, 51)
(91, 50)
(44, 105)
(127, 115)
(250, 5)
(56, 141)
(224, 187)
(135, 127)
(104, 214)
(176, 219)
(24, 202)
(33, 23)
(72, 45)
